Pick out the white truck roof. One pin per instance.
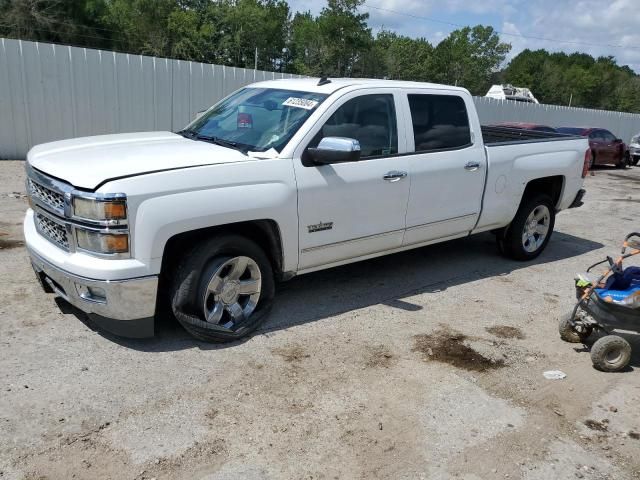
(311, 84)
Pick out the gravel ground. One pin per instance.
(425, 364)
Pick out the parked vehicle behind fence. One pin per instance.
(279, 179)
(606, 148)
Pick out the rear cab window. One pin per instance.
(440, 122)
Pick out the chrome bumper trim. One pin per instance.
(129, 299)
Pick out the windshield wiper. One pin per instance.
(218, 141)
(192, 135)
(186, 133)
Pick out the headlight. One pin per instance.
(108, 243)
(100, 210)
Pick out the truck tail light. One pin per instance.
(245, 120)
(587, 163)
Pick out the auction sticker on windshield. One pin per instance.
(300, 103)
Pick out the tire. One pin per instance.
(569, 334)
(592, 164)
(624, 162)
(634, 160)
(511, 241)
(234, 261)
(611, 353)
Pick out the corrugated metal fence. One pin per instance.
(490, 110)
(50, 92)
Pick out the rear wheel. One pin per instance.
(530, 230)
(611, 353)
(625, 161)
(634, 160)
(223, 289)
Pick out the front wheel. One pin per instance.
(571, 334)
(635, 159)
(530, 230)
(223, 289)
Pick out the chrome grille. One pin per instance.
(47, 196)
(52, 231)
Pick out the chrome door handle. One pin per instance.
(394, 176)
(472, 166)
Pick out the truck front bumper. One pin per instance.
(122, 307)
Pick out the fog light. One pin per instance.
(92, 294)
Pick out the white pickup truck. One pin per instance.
(279, 179)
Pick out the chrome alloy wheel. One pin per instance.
(536, 228)
(233, 292)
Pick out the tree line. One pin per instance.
(336, 42)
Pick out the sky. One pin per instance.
(597, 27)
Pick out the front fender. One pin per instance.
(165, 204)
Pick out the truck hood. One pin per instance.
(90, 161)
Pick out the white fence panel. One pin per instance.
(51, 92)
(491, 110)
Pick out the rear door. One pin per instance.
(598, 145)
(613, 149)
(447, 165)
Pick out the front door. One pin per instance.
(353, 209)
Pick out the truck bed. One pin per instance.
(495, 136)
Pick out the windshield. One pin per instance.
(255, 119)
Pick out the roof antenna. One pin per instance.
(323, 80)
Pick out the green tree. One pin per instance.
(76, 22)
(400, 58)
(334, 44)
(468, 57)
(558, 78)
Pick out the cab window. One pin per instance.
(439, 122)
(370, 119)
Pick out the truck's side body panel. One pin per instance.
(511, 167)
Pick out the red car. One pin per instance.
(526, 126)
(606, 149)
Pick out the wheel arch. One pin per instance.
(552, 186)
(264, 232)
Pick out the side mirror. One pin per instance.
(199, 114)
(335, 150)
(618, 140)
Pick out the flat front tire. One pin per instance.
(530, 231)
(223, 289)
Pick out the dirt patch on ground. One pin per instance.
(291, 353)
(634, 435)
(449, 347)
(9, 244)
(624, 177)
(505, 331)
(380, 357)
(596, 425)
